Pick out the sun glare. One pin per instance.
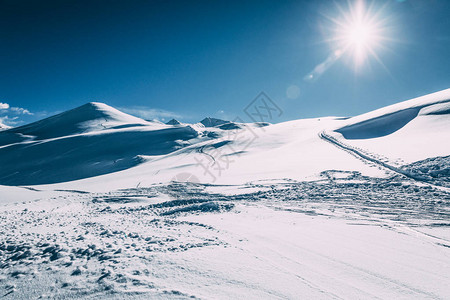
(359, 32)
(359, 35)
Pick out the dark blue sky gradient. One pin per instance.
(195, 58)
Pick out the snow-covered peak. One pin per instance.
(96, 110)
(89, 117)
(212, 122)
(173, 122)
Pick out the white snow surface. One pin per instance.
(294, 149)
(95, 203)
(420, 129)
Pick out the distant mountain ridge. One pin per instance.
(173, 122)
(213, 122)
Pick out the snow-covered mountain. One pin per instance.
(87, 118)
(378, 144)
(212, 122)
(173, 122)
(96, 139)
(87, 141)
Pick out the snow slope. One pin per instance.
(387, 120)
(96, 139)
(345, 239)
(87, 141)
(405, 132)
(87, 118)
(392, 136)
(287, 150)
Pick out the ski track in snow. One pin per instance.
(371, 159)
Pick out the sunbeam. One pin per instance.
(359, 32)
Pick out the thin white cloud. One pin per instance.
(10, 121)
(20, 110)
(11, 116)
(150, 113)
(5, 107)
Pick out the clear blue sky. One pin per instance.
(210, 58)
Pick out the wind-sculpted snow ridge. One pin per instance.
(403, 133)
(191, 240)
(388, 120)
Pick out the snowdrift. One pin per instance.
(389, 119)
(405, 132)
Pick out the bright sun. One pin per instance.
(359, 32)
(360, 39)
(355, 33)
(360, 35)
